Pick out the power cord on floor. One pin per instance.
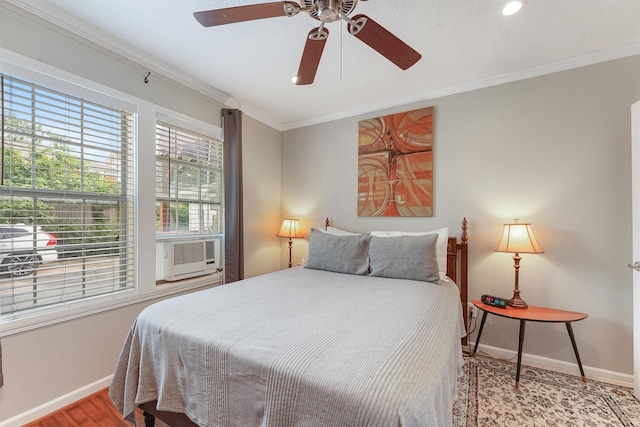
(469, 350)
(471, 319)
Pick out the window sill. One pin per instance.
(38, 318)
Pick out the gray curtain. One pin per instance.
(1, 379)
(233, 228)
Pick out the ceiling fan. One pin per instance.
(325, 11)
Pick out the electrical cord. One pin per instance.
(470, 352)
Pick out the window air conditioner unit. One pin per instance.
(182, 259)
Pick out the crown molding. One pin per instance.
(76, 26)
(80, 28)
(259, 117)
(541, 70)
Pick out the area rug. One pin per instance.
(487, 397)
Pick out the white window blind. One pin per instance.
(188, 182)
(66, 198)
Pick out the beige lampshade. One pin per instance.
(290, 228)
(518, 238)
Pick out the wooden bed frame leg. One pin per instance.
(149, 420)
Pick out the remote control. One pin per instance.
(494, 301)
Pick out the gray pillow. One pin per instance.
(405, 257)
(340, 254)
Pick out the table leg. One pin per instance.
(484, 317)
(575, 350)
(520, 342)
(149, 420)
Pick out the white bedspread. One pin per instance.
(298, 347)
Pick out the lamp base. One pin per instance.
(516, 301)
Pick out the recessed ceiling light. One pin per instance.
(294, 79)
(512, 7)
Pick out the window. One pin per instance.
(66, 198)
(188, 182)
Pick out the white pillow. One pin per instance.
(441, 244)
(337, 231)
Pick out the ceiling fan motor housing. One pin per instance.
(329, 10)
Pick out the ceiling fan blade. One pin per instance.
(250, 12)
(311, 55)
(382, 41)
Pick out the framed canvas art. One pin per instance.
(395, 164)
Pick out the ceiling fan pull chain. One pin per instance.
(341, 51)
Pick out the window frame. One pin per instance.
(146, 114)
(82, 137)
(200, 132)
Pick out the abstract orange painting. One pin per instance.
(395, 164)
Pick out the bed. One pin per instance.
(308, 346)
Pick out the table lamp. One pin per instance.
(518, 238)
(290, 228)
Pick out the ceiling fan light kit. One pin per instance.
(326, 11)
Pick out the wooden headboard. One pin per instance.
(459, 264)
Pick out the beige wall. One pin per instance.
(41, 366)
(261, 197)
(44, 366)
(552, 150)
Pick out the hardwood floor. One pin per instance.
(95, 410)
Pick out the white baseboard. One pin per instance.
(57, 403)
(611, 377)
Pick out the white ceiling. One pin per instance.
(465, 44)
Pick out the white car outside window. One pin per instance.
(23, 248)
